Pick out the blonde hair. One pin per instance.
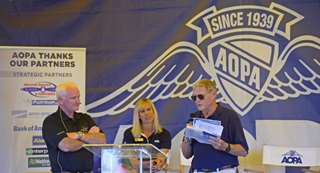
(208, 84)
(137, 125)
(61, 90)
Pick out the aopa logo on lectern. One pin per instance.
(292, 157)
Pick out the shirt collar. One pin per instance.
(65, 116)
(215, 113)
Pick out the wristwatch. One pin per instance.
(228, 148)
(80, 135)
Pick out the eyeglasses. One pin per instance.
(200, 96)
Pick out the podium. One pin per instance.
(116, 158)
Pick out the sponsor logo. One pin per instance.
(40, 89)
(292, 157)
(36, 151)
(38, 114)
(25, 128)
(34, 162)
(19, 113)
(38, 140)
(44, 102)
(26, 114)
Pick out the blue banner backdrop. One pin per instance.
(263, 55)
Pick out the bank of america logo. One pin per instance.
(241, 48)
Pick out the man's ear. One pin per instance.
(214, 93)
(59, 100)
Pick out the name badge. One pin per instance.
(138, 139)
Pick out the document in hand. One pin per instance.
(202, 129)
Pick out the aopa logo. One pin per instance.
(244, 49)
(292, 157)
(40, 89)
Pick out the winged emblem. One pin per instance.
(172, 74)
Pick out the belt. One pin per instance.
(212, 170)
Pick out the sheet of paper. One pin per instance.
(197, 120)
(202, 134)
(211, 126)
(195, 134)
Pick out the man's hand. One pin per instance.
(94, 129)
(73, 135)
(218, 143)
(94, 136)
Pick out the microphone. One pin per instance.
(192, 116)
(190, 121)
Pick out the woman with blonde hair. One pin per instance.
(147, 129)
